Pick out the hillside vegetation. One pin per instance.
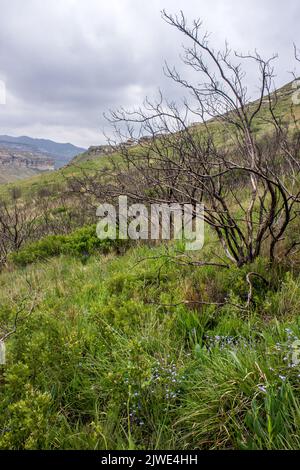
(115, 347)
(92, 164)
(115, 344)
(118, 352)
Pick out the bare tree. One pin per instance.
(46, 213)
(248, 180)
(18, 222)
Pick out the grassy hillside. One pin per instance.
(54, 179)
(9, 175)
(91, 163)
(118, 346)
(118, 353)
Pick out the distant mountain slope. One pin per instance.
(11, 174)
(60, 153)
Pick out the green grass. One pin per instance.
(119, 353)
(106, 362)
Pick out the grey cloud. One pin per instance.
(66, 62)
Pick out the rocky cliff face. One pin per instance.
(100, 150)
(21, 159)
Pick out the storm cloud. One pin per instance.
(65, 62)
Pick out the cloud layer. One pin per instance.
(66, 62)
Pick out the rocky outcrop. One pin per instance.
(20, 159)
(100, 150)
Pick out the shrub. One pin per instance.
(82, 242)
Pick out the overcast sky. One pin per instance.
(65, 62)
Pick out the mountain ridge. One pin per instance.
(65, 149)
(25, 156)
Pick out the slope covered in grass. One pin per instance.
(89, 163)
(118, 353)
(125, 348)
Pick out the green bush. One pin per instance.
(82, 242)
